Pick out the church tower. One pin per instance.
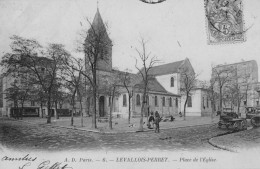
(98, 37)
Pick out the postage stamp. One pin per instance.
(224, 21)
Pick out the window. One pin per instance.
(257, 103)
(244, 103)
(176, 102)
(190, 101)
(109, 101)
(32, 103)
(147, 100)
(207, 102)
(138, 102)
(172, 82)
(163, 101)
(170, 102)
(124, 100)
(203, 104)
(155, 101)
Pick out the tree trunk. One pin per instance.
(41, 110)
(56, 113)
(111, 108)
(49, 111)
(184, 109)
(141, 128)
(94, 122)
(129, 108)
(220, 99)
(21, 114)
(73, 108)
(81, 112)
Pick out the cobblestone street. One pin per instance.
(23, 136)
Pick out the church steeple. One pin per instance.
(98, 30)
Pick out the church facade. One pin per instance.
(163, 96)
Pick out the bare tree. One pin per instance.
(147, 63)
(27, 58)
(222, 77)
(125, 78)
(96, 47)
(188, 83)
(110, 87)
(72, 75)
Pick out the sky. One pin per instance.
(174, 29)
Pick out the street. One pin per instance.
(19, 135)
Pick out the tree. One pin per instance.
(188, 83)
(110, 88)
(72, 75)
(40, 66)
(221, 77)
(147, 63)
(96, 47)
(125, 78)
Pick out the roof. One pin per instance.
(154, 87)
(243, 62)
(166, 68)
(98, 25)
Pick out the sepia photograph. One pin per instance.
(129, 84)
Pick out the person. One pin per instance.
(156, 122)
(180, 114)
(151, 120)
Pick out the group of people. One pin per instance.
(154, 120)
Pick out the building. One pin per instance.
(164, 93)
(243, 74)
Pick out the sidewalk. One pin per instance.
(238, 142)
(120, 125)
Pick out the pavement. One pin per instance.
(120, 125)
(234, 142)
(239, 141)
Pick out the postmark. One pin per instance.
(224, 21)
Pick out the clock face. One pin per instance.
(152, 1)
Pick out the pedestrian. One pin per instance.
(157, 120)
(180, 114)
(151, 120)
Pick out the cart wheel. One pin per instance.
(236, 125)
(255, 121)
(219, 125)
(243, 124)
(227, 126)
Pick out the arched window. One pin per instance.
(170, 102)
(155, 101)
(190, 101)
(109, 101)
(176, 102)
(124, 100)
(172, 82)
(163, 101)
(138, 102)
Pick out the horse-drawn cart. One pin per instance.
(253, 113)
(231, 120)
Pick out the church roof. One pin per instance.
(166, 68)
(154, 86)
(98, 25)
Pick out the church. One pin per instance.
(163, 96)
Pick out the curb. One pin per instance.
(211, 142)
(96, 131)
